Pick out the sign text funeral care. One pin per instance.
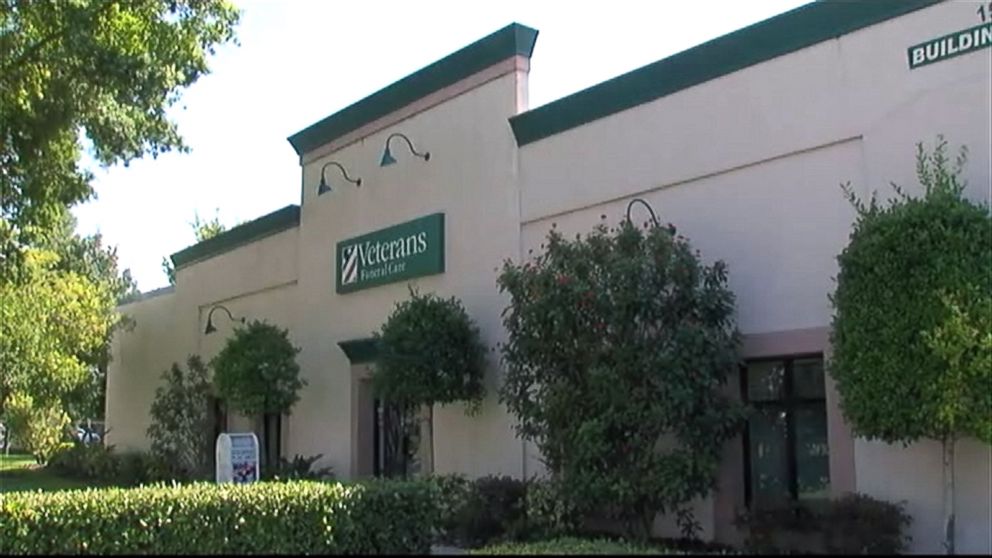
(403, 251)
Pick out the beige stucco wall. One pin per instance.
(913, 475)
(256, 280)
(139, 356)
(748, 166)
(471, 179)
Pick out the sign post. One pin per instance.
(237, 457)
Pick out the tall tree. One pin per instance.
(50, 323)
(90, 260)
(912, 327)
(100, 71)
(430, 353)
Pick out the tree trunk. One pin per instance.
(948, 446)
(429, 469)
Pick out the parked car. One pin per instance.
(87, 436)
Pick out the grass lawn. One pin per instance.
(19, 472)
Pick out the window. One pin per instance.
(786, 453)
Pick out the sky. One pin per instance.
(298, 61)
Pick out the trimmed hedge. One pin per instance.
(265, 518)
(575, 545)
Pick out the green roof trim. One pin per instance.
(360, 351)
(782, 34)
(245, 233)
(512, 40)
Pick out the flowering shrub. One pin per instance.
(618, 346)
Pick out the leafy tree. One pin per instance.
(180, 428)
(202, 230)
(40, 428)
(48, 324)
(256, 372)
(618, 345)
(100, 71)
(87, 257)
(912, 325)
(429, 352)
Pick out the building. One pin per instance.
(742, 142)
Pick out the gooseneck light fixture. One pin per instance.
(324, 188)
(387, 156)
(630, 206)
(210, 324)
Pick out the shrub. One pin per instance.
(40, 429)
(550, 512)
(279, 518)
(102, 463)
(136, 468)
(85, 461)
(299, 468)
(619, 346)
(494, 510)
(570, 545)
(853, 524)
(452, 492)
(180, 424)
(859, 524)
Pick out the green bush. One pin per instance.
(619, 346)
(85, 461)
(278, 518)
(452, 492)
(102, 463)
(859, 524)
(853, 524)
(550, 512)
(299, 468)
(495, 510)
(570, 545)
(476, 512)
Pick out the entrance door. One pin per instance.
(395, 440)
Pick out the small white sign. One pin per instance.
(237, 457)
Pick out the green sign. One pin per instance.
(949, 46)
(403, 251)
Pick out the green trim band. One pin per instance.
(360, 351)
(793, 30)
(245, 233)
(512, 40)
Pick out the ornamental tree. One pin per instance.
(618, 346)
(430, 353)
(256, 372)
(180, 427)
(50, 324)
(912, 325)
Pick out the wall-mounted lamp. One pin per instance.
(210, 324)
(387, 157)
(645, 204)
(324, 188)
